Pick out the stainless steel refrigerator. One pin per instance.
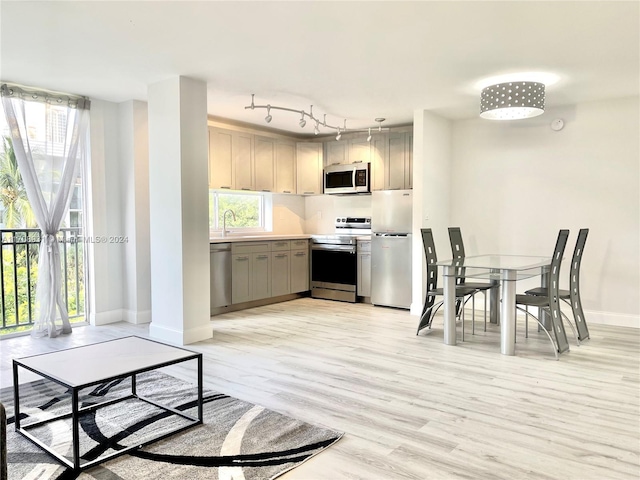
(391, 218)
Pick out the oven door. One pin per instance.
(334, 272)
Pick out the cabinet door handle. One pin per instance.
(242, 258)
(301, 254)
(245, 188)
(224, 186)
(282, 255)
(262, 257)
(265, 190)
(357, 161)
(308, 193)
(286, 191)
(335, 163)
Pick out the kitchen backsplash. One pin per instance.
(321, 210)
(315, 214)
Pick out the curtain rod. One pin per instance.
(45, 96)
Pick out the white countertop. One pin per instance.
(256, 238)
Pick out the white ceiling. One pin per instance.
(353, 60)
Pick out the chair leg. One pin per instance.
(473, 314)
(484, 293)
(462, 316)
(555, 348)
(526, 323)
(575, 334)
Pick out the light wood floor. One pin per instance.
(411, 407)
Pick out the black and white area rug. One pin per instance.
(238, 440)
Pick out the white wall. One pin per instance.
(134, 181)
(179, 210)
(515, 184)
(104, 219)
(431, 194)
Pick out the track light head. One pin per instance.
(268, 117)
(316, 130)
(339, 135)
(369, 137)
(302, 121)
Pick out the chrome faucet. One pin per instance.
(224, 221)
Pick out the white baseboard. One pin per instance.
(180, 337)
(592, 316)
(105, 318)
(137, 317)
(610, 318)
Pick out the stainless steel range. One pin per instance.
(334, 260)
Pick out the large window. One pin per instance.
(248, 208)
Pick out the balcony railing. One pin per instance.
(19, 276)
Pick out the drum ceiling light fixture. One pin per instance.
(512, 100)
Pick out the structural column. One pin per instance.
(179, 211)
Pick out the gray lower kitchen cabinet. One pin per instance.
(260, 275)
(300, 270)
(267, 269)
(364, 269)
(240, 278)
(250, 271)
(280, 277)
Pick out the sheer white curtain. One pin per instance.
(48, 131)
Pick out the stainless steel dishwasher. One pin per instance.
(220, 264)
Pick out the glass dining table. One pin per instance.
(505, 269)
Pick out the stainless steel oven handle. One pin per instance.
(334, 248)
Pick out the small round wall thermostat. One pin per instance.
(557, 124)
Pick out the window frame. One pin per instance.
(216, 228)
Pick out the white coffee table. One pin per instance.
(81, 367)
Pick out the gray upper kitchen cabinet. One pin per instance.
(243, 161)
(285, 166)
(359, 150)
(392, 161)
(336, 152)
(264, 154)
(378, 161)
(309, 168)
(221, 168)
(396, 164)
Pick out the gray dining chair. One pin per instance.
(572, 296)
(430, 305)
(457, 250)
(550, 302)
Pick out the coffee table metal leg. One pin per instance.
(16, 396)
(200, 406)
(75, 429)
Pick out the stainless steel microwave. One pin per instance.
(352, 178)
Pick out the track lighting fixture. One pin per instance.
(316, 129)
